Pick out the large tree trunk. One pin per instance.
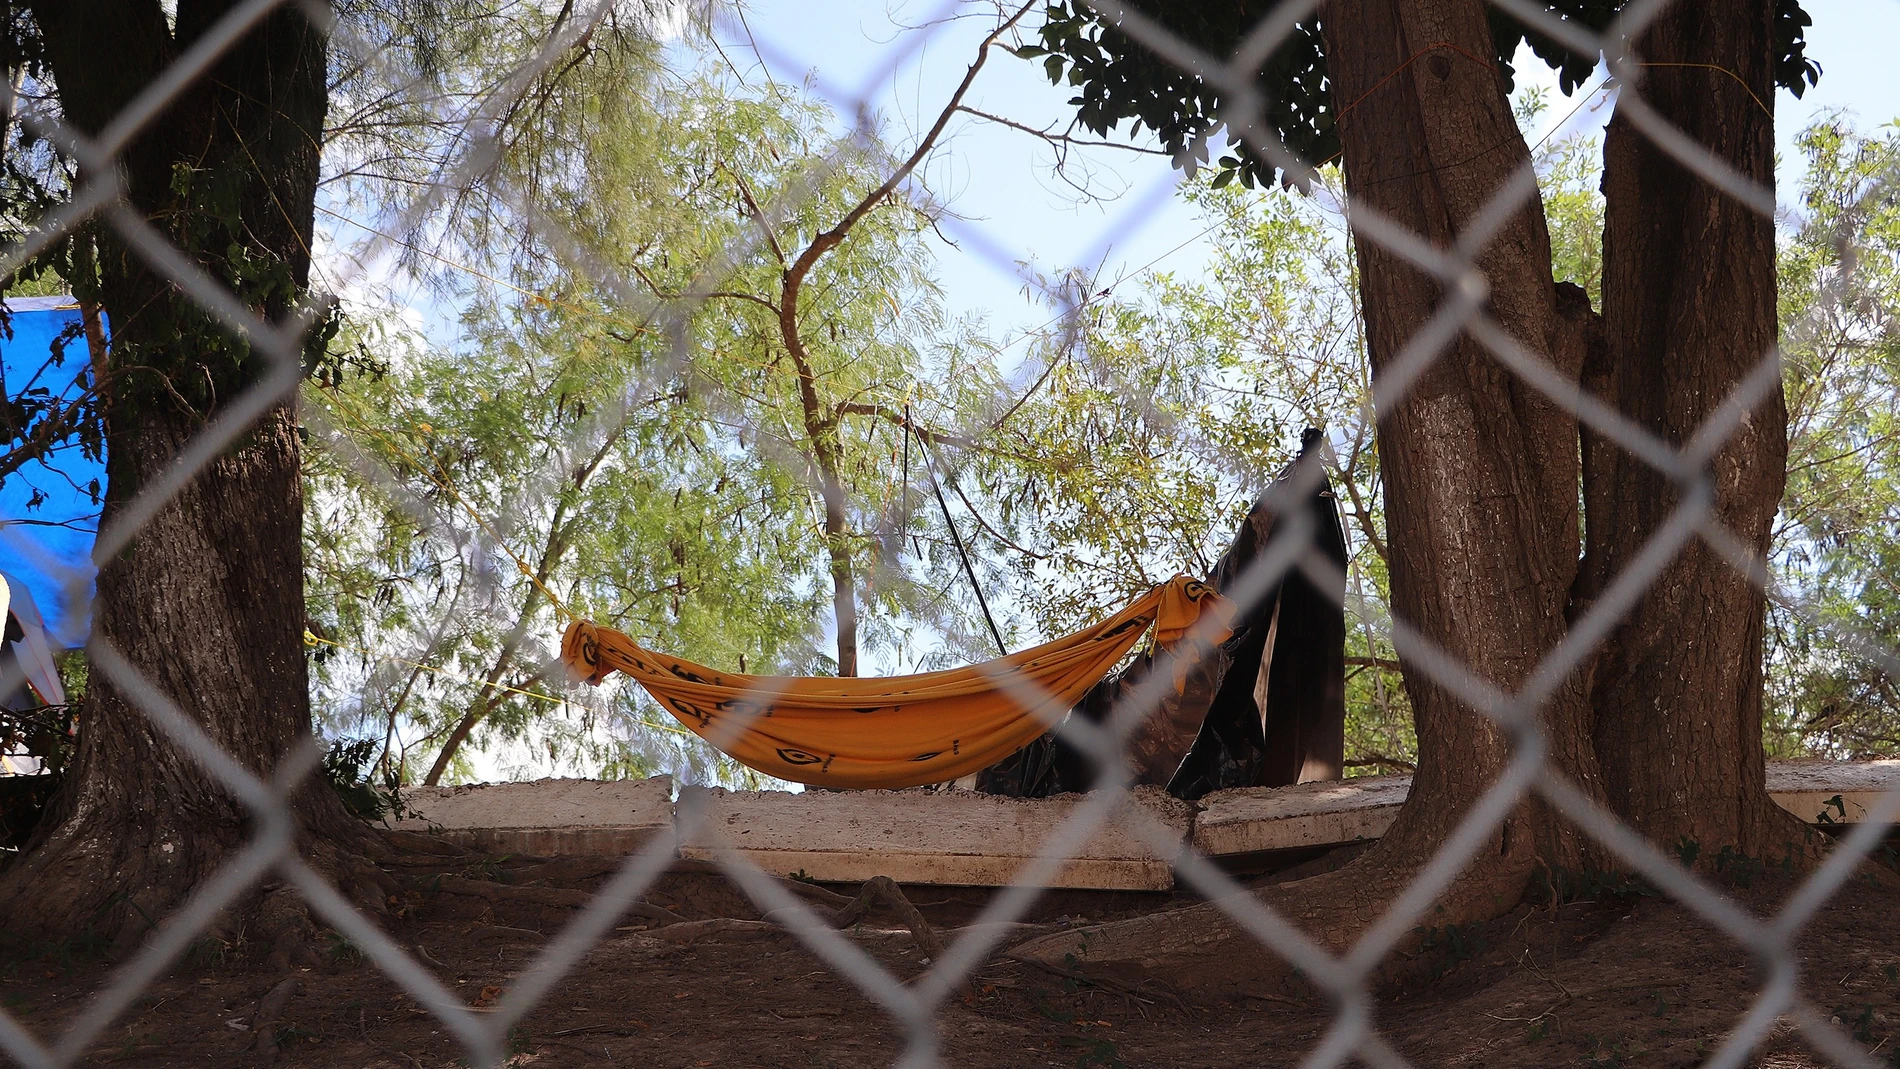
(207, 600)
(1689, 312)
(192, 603)
(1482, 471)
(1480, 468)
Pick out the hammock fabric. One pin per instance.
(894, 731)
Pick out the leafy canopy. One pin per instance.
(1118, 78)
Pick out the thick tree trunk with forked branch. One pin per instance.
(1482, 475)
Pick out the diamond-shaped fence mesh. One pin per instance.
(1463, 310)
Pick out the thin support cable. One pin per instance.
(931, 461)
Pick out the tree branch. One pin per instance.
(1363, 517)
(728, 294)
(820, 424)
(993, 532)
(1055, 138)
(830, 239)
(752, 208)
(885, 412)
(51, 429)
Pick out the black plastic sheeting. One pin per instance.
(1298, 631)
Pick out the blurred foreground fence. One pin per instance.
(1462, 310)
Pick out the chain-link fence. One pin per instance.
(1344, 977)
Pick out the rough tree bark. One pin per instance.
(207, 600)
(1689, 312)
(1482, 473)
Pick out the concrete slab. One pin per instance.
(547, 817)
(1249, 820)
(925, 837)
(968, 839)
(1255, 819)
(1805, 788)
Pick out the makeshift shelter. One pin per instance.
(1266, 708)
(49, 506)
(1259, 700)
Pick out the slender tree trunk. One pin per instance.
(1689, 312)
(821, 439)
(485, 696)
(207, 600)
(844, 583)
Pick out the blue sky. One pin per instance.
(1000, 181)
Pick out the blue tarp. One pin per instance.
(49, 507)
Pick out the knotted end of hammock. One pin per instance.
(1183, 602)
(580, 648)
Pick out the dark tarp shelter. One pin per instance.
(1266, 708)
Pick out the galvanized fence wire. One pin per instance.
(913, 1006)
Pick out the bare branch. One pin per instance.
(1054, 138)
(752, 209)
(732, 295)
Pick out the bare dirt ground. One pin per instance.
(1620, 979)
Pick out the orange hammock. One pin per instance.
(895, 731)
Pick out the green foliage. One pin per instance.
(656, 472)
(1837, 539)
(347, 767)
(1569, 173)
(1117, 78)
(650, 472)
(1146, 436)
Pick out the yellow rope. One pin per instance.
(1750, 90)
(311, 639)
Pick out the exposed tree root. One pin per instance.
(884, 889)
(558, 897)
(264, 1021)
(718, 929)
(810, 891)
(95, 877)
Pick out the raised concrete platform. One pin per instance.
(1806, 788)
(963, 838)
(955, 837)
(1257, 819)
(546, 817)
